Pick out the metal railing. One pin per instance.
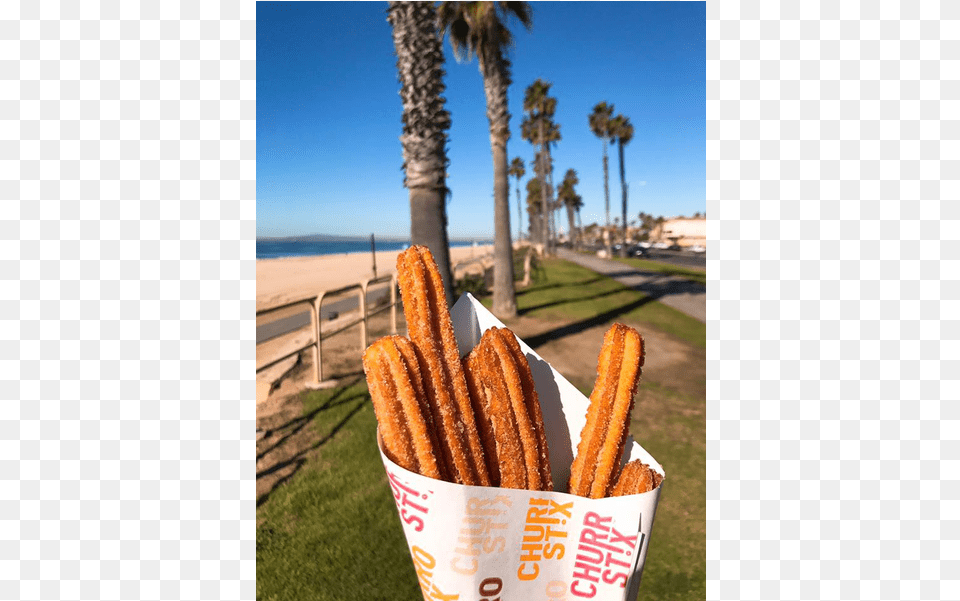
(318, 335)
(315, 344)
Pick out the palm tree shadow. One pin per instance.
(565, 301)
(524, 291)
(298, 423)
(585, 324)
(298, 460)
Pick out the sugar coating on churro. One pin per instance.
(501, 357)
(604, 435)
(635, 478)
(396, 389)
(502, 383)
(533, 406)
(431, 331)
(510, 457)
(471, 369)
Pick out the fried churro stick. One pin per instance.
(478, 398)
(635, 478)
(533, 407)
(511, 408)
(498, 413)
(431, 331)
(605, 432)
(399, 401)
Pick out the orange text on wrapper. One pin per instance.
(544, 525)
(603, 554)
(424, 563)
(479, 533)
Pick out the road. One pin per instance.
(678, 258)
(674, 291)
(330, 310)
(673, 257)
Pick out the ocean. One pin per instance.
(269, 249)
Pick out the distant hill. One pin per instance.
(335, 238)
(328, 238)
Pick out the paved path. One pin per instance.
(674, 291)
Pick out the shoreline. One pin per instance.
(360, 252)
(284, 279)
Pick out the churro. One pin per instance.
(471, 369)
(635, 478)
(399, 401)
(533, 407)
(605, 433)
(504, 386)
(431, 331)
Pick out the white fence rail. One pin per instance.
(314, 341)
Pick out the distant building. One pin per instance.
(682, 231)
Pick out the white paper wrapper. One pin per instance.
(476, 542)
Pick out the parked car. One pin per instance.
(637, 251)
(698, 249)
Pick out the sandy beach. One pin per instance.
(291, 278)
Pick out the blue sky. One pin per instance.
(328, 114)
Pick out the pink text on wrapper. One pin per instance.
(544, 525)
(408, 502)
(603, 554)
(479, 533)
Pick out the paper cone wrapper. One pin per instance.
(478, 542)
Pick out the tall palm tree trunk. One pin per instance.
(606, 192)
(495, 84)
(553, 211)
(519, 213)
(544, 207)
(425, 121)
(623, 188)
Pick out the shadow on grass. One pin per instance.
(300, 458)
(298, 423)
(566, 301)
(585, 324)
(531, 289)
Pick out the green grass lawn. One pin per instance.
(570, 291)
(332, 532)
(676, 567)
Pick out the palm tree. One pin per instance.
(477, 28)
(535, 188)
(577, 205)
(543, 169)
(623, 132)
(569, 198)
(539, 129)
(425, 121)
(599, 121)
(517, 170)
